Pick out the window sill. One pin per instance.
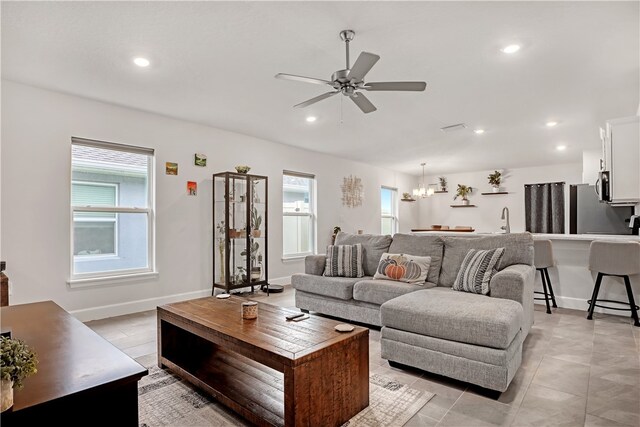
(295, 258)
(108, 280)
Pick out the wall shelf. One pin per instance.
(493, 194)
(463, 206)
(407, 200)
(440, 192)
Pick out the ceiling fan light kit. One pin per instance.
(350, 81)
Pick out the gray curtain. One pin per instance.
(544, 207)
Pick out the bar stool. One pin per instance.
(543, 259)
(619, 259)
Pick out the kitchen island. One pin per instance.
(571, 279)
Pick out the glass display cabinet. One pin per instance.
(240, 231)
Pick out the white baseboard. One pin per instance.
(581, 305)
(112, 310)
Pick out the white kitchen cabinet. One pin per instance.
(621, 157)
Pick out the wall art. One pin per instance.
(192, 188)
(351, 191)
(171, 168)
(200, 160)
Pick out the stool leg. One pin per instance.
(632, 303)
(596, 289)
(544, 288)
(553, 297)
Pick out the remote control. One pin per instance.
(293, 316)
(304, 316)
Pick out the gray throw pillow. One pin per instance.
(344, 261)
(477, 269)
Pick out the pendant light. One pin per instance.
(421, 190)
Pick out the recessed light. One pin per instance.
(561, 147)
(479, 131)
(512, 48)
(551, 124)
(311, 119)
(141, 62)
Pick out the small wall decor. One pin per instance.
(200, 160)
(171, 168)
(351, 191)
(192, 188)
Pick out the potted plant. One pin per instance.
(221, 230)
(494, 179)
(406, 197)
(463, 191)
(256, 222)
(336, 230)
(17, 362)
(443, 183)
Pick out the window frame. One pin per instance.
(83, 279)
(395, 221)
(311, 215)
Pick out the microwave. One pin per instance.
(603, 186)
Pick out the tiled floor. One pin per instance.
(574, 372)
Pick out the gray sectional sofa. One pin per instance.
(470, 337)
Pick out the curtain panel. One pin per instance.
(544, 207)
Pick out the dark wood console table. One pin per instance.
(79, 372)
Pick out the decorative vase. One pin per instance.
(6, 393)
(256, 233)
(249, 310)
(256, 273)
(496, 188)
(465, 202)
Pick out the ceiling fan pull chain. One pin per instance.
(341, 98)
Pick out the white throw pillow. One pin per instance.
(403, 268)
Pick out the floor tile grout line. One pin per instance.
(454, 404)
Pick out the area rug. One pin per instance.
(166, 400)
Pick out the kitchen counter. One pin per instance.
(587, 237)
(571, 278)
(539, 236)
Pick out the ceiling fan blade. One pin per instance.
(363, 103)
(404, 86)
(363, 64)
(303, 79)
(316, 99)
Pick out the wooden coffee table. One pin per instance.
(79, 372)
(269, 370)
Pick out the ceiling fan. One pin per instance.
(350, 81)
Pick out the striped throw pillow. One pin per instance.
(476, 270)
(344, 261)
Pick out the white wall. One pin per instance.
(486, 216)
(37, 126)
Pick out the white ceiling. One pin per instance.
(214, 62)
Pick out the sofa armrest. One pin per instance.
(314, 264)
(515, 282)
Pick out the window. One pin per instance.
(298, 214)
(389, 209)
(112, 210)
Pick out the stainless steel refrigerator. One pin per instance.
(587, 215)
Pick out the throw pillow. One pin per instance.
(403, 268)
(344, 261)
(476, 270)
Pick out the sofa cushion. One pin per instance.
(518, 250)
(379, 291)
(431, 246)
(477, 269)
(456, 316)
(344, 261)
(373, 246)
(403, 268)
(336, 287)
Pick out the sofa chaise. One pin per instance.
(466, 336)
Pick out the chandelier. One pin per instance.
(423, 191)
